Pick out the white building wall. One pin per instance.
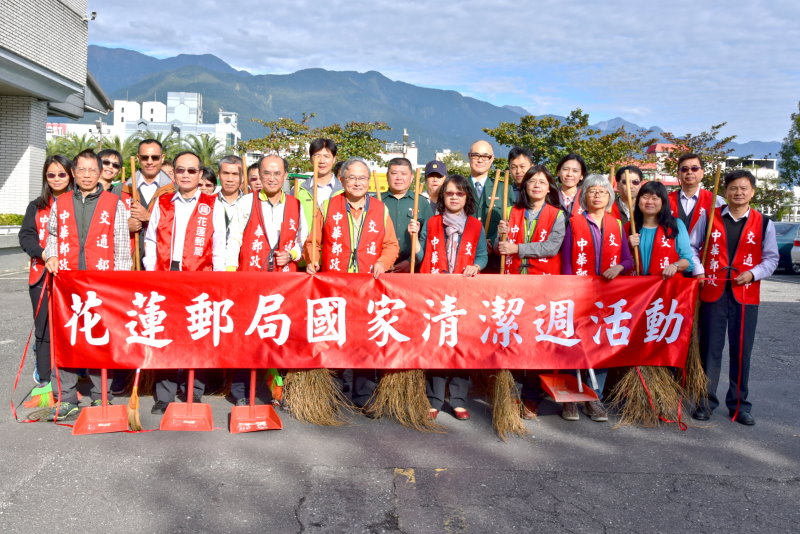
(154, 111)
(22, 151)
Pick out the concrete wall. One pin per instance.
(22, 151)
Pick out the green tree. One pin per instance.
(549, 139)
(707, 144)
(772, 197)
(789, 166)
(71, 145)
(456, 163)
(355, 139)
(207, 147)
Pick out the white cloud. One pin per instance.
(683, 64)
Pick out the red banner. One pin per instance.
(156, 320)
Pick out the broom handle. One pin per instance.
(632, 221)
(190, 388)
(135, 198)
(413, 259)
(313, 257)
(375, 185)
(104, 392)
(245, 182)
(252, 393)
(710, 215)
(491, 202)
(503, 217)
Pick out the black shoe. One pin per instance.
(701, 414)
(159, 408)
(745, 418)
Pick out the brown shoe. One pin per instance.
(530, 409)
(569, 411)
(596, 411)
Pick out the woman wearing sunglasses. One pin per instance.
(112, 167)
(56, 179)
(453, 242)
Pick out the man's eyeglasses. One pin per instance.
(52, 175)
(357, 178)
(149, 157)
(458, 194)
(693, 168)
(596, 193)
(90, 172)
(186, 170)
(481, 157)
(633, 182)
(107, 163)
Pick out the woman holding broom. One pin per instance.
(454, 243)
(535, 231)
(595, 244)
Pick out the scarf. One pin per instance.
(453, 229)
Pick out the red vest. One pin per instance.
(435, 260)
(663, 252)
(747, 256)
(255, 245)
(98, 249)
(336, 239)
(705, 201)
(198, 238)
(516, 234)
(37, 264)
(583, 252)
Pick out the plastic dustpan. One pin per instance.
(567, 388)
(104, 418)
(192, 416)
(254, 418)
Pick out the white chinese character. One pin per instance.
(383, 320)
(337, 217)
(259, 232)
(716, 234)
(612, 240)
(202, 221)
(448, 317)
(371, 249)
(543, 234)
(613, 261)
(582, 260)
(104, 218)
(748, 260)
(373, 228)
(103, 265)
(207, 316)
(64, 215)
(292, 225)
(80, 310)
(616, 334)
(582, 243)
(63, 232)
(714, 249)
(336, 233)
(582, 272)
(434, 257)
(149, 317)
(468, 249)
(326, 320)
(561, 321)
(257, 245)
(198, 251)
(102, 241)
(337, 248)
(664, 242)
(658, 323)
(514, 229)
(63, 265)
(63, 249)
(504, 314)
(751, 237)
(664, 263)
(275, 327)
(201, 232)
(254, 261)
(199, 241)
(334, 264)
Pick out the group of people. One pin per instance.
(569, 222)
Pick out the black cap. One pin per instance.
(435, 167)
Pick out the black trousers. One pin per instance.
(41, 330)
(167, 381)
(365, 381)
(717, 318)
(240, 384)
(69, 384)
(436, 388)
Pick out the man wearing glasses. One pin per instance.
(87, 232)
(691, 201)
(481, 157)
(186, 233)
(620, 208)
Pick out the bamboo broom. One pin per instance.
(133, 401)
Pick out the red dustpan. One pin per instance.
(189, 415)
(567, 388)
(104, 418)
(253, 418)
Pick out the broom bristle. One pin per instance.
(696, 380)
(631, 400)
(41, 397)
(134, 423)
(401, 396)
(506, 406)
(313, 396)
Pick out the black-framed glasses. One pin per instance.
(481, 157)
(149, 157)
(109, 163)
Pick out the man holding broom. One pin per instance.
(742, 250)
(488, 203)
(691, 201)
(88, 231)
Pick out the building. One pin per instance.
(181, 116)
(43, 51)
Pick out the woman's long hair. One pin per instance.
(523, 202)
(462, 184)
(47, 193)
(664, 217)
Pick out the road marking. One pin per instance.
(6, 341)
(408, 473)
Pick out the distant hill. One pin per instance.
(435, 118)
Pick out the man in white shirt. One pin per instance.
(230, 181)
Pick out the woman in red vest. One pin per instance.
(535, 231)
(56, 179)
(453, 243)
(595, 244)
(663, 241)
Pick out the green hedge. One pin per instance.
(10, 219)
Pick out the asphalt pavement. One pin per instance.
(376, 476)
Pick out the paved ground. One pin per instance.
(375, 476)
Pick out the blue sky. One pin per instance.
(682, 65)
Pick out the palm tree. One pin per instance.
(207, 147)
(71, 145)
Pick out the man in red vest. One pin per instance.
(691, 201)
(186, 233)
(88, 231)
(267, 233)
(354, 235)
(742, 250)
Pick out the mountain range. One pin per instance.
(434, 118)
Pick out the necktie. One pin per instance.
(479, 189)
